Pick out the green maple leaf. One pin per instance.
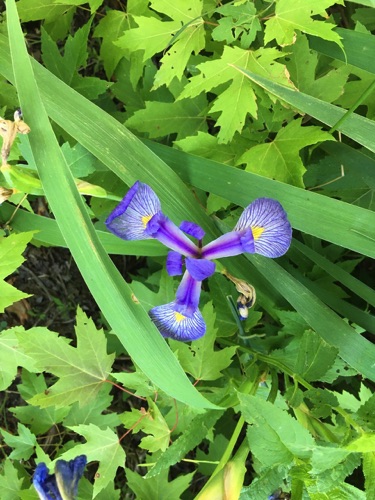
(40, 420)
(102, 446)
(10, 483)
(151, 36)
(280, 158)
(158, 487)
(160, 119)
(95, 412)
(31, 10)
(292, 16)
(109, 29)
(23, 444)
(11, 357)
(11, 249)
(152, 423)
(75, 56)
(136, 381)
(238, 99)
(303, 67)
(200, 359)
(94, 4)
(185, 33)
(81, 370)
(240, 22)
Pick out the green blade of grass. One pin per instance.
(356, 286)
(359, 48)
(129, 320)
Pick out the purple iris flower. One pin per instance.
(63, 484)
(262, 228)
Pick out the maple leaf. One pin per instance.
(82, 370)
(102, 446)
(11, 249)
(10, 483)
(240, 22)
(160, 119)
(109, 29)
(280, 158)
(75, 56)
(151, 36)
(303, 68)
(297, 15)
(200, 359)
(152, 423)
(23, 444)
(238, 99)
(11, 357)
(40, 420)
(185, 34)
(158, 486)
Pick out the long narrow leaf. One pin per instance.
(358, 48)
(129, 320)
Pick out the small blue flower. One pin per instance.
(63, 484)
(181, 319)
(263, 228)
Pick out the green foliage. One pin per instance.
(87, 363)
(158, 486)
(11, 250)
(101, 446)
(200, 359)
(249, 99)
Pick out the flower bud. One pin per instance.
(227, 483)
(5, 194)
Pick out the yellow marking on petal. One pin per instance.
(146, 219)
(257, 232)
(179, 317)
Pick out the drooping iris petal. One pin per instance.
(129, 219)
(174, 322)
(228, 245)
(270, 227)
(45, 483)
(200, 269)
(174, 263)
(192, 229)
(63, 484)
(181, 319)
(68, 475)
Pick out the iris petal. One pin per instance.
(164, 230)
(181, 319)
(68, 475)
(271, 229)
(192, 229)
(174, 263)
(63, 484)
(130, 218)
(176, 322)
(200, 269)
(228, 245)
